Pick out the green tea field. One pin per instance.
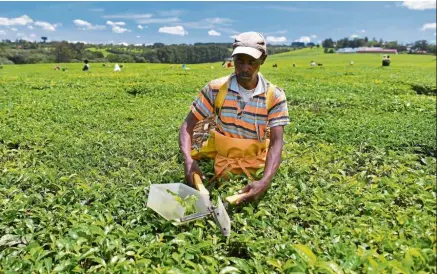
(355, 192)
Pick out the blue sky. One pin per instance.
(190, 22)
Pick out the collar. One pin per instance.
(261, 87)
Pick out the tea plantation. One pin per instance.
(355, 193)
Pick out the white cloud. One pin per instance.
(138, 45)
(419, 5)
(214, 33)
(233, 36)
(13, 29)
(46, 26)
(158, 20)
(84, 25)
(140, 27)
(313, 36)
(363, 31)
(115, 23)
(128, 16)
(124, 44)
(428, 26)
(304, 39)
(2, 32)
(117, 29)
(354, 36)
(138, 36)
(273, 39)
(75, 42)
(24, 36)
(19, 21)
(177, 30)
(30, 27)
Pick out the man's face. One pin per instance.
(246, 67)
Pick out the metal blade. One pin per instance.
(193, 217)
(222, 218)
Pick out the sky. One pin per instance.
(206, 21)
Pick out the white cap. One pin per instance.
(250, 43)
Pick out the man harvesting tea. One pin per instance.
(245, 104)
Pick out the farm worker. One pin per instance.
(117, 67)
(244, 104)
(86, 67)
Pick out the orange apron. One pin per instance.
(233, 154)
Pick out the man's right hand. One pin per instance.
(191, 168)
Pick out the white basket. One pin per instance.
(166, 205)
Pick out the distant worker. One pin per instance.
(386, 61)
(117, 67)
(313, 64)
(351, 63)
(86, 67)
(275, 65)
(229, 65)
(294, 65)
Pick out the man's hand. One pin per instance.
(191, 167)
(253, 191)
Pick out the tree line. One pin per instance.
(25, 52)
(420, 45)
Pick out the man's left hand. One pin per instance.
(253, 191)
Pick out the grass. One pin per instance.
(355, 191)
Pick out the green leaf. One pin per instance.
(330, 267)
(305, 254)
(229, 269)
(398, 267)
(275, 263)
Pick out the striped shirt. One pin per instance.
(243, 123)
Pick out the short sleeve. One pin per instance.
(278, 113)
(202, 107)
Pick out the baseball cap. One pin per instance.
(250, 43)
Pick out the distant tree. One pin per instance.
(44, 39)
(421, 45)
(328, 43)
(63, 52)
(297, 44)
(158, 45)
